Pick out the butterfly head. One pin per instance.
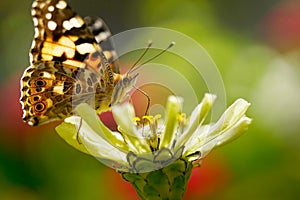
(123, 85)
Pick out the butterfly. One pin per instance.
(68, 66)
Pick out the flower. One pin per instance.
(155, 155)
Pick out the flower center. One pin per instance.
(149, 128)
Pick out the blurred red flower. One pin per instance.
(281, 26)
(205, 180)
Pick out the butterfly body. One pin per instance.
(68, 66)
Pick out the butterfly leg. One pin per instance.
(148, 99)
(147, 108)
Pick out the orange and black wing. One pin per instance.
(67, 65)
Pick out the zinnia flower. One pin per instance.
(155, 155)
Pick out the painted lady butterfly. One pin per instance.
(68, 66)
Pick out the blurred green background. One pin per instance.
(255, 45)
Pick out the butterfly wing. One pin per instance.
(102, 35)
(60, 34)
(67, 65)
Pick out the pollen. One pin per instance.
(182, 119)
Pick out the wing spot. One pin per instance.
(36, 32)
(59, 89)
(33, 44)
(35, 21)
(90, 89)
(94, 78)
(61, 5)
(39, 107)
(67, 25)
(26, 78)
(36, 98)
(102, 36)
(34, 4)
(76, 22)
(30, 123)
(24, 117)
(63, 46)
(48, 16)
(98, 24)
(74, 63)
(52, 25)
(40, 83)
(45, 75)
(33, 12)
(89, 81)
(85, 48)
(30, 70)
(78, 88)
(51, 8)
(25, 88)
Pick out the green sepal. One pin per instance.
(167, 183)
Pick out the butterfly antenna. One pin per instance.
(154, 57)
(143, 54)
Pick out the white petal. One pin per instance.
(173, 108)
(90, 116)
(124, 115)
(90, 142)
(231, 124)
(232, 114)
(234, 132)
(211, 142)
(197, 117)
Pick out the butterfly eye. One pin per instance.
(40, 83)
(125, 81)
(39, 107)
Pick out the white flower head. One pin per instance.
(151, 143)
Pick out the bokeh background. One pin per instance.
(255, 45)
